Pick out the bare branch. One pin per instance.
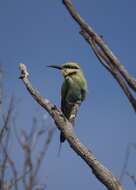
(32, 164)
(112, 69)
(104, 54)
(102, 173)
(1, 89)
(12, 165)
(4, 141)
(43, 152)
(6, 120)
(28, 163)
(100, 55)
(11, 177)
(17, 180)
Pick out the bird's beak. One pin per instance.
(55, 66)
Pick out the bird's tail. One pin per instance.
(59, 150)
(62, 137)
(71, 119)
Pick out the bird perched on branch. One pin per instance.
(73, 90)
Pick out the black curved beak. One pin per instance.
(55, 66)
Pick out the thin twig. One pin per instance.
(6, 119)
(17, 180)
(12, 165)
(4, 140)
(126, 160)
(132, 177)
(43, 152)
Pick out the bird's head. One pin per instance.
(68, 68)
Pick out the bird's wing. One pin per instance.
(64, 105)
(64, 92)
(83, 94)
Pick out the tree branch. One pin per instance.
(101, 173)
(106, 53)
(110, 67)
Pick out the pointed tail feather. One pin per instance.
(59, 150)
(62, 137)
(71, 119)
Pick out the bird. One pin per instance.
(73, 90)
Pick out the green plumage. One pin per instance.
(73, 91)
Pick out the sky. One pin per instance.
(39, 33)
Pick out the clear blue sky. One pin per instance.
(39, 33)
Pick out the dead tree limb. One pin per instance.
(111, 68)
(105, 55)
(6, 120)
(101, 172)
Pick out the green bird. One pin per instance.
(73, 90)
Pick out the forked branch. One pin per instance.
(105, 55)
(101, 173)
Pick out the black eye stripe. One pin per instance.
(72, 73)
(70, 67)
